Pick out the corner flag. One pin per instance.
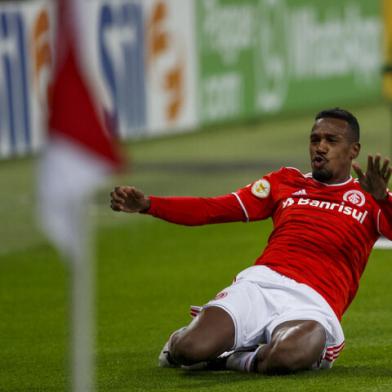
(78, 156)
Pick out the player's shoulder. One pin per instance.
(274, 180)
(289, 172)
(293, 171)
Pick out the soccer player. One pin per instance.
(283, 314)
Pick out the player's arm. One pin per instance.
(251, 203)
(190, 211)
(375, 181)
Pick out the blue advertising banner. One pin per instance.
(121, 57)
(15, 122)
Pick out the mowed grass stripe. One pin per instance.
(149, 272)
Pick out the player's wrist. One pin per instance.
(146, 205)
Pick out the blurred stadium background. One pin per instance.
(207, 96)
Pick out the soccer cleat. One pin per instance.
(165, 360)
(243, 360)
(219, 363)
(240, 360)
(195, 366)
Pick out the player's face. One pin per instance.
(332, 150)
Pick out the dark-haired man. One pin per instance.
(282, 314)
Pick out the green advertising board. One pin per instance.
(272, 56)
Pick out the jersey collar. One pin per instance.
(309, 175)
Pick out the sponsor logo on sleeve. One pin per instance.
(261, 188)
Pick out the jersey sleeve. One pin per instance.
(257, 199)
(196, 211)
(253, 202)
(384, 218)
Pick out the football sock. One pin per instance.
(243, 361)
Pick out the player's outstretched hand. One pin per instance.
(375, 180)
(128, 199)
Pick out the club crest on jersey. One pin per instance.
(261, 188)
(355, 197)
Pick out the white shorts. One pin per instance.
(260, 299)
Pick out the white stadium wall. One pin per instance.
(170, 66)
(24, 73)
(163, 66)
(141, 62)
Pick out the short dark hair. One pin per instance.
(345, 115)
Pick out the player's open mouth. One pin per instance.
(318, 161)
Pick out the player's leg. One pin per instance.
(221, 326)
(295, 345)
(209, 335)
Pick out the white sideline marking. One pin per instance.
(383, 243)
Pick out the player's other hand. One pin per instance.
(375, 180)
(128, 199)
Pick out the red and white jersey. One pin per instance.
(323, 234)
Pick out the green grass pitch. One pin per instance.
(148, 272)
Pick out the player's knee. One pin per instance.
(285, 358)
(292, 354)
(187, 350)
